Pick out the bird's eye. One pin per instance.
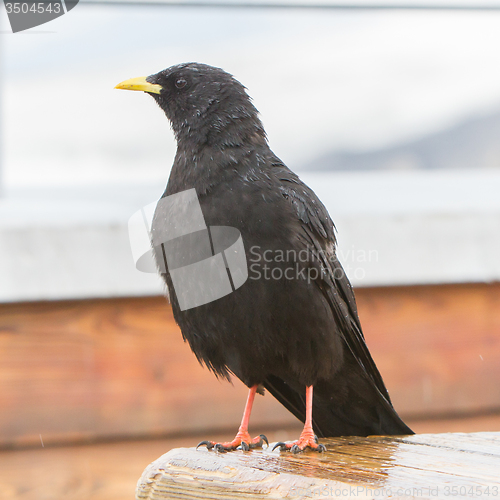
(180, 83)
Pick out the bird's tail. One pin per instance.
(347, 405)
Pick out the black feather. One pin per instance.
(284, 333)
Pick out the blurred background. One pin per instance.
(392, 115)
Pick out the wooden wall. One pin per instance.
(88, 369)
(438, 347)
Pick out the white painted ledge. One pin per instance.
(393, 229)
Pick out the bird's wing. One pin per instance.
(319, 233)
(365, 407)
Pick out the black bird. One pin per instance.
(293, 325)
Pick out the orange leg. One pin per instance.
(307, 439)
(242, 437)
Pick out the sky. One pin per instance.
(322, 80)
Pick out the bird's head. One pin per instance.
(204, 104)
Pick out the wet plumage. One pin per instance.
(288, 333)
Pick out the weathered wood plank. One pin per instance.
(104, 471)
(81, 370)
(426, 465)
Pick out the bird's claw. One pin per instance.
(265, 439)
(245, 442)
(281, 445)
(301, 445)
(208, 444)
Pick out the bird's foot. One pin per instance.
(242, 439)
(306, 440)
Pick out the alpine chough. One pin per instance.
(293, 325)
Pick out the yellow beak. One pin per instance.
(139, 83)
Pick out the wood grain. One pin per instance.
(109, 471)
(424, 465)
(83, 370)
